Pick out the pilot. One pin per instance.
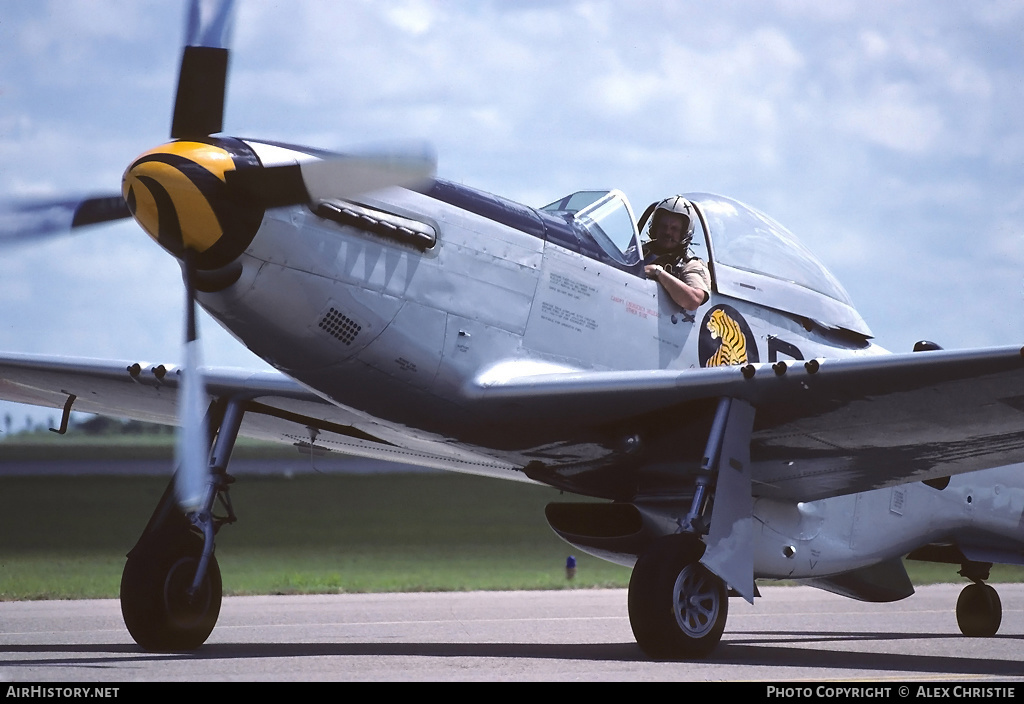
(684, 277)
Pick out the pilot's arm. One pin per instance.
(689, 296)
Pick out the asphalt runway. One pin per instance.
(791, 634)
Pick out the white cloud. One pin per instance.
(414, 17)
(894, 117)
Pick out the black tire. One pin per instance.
(979, 611)
(677, 608)
(154, 600)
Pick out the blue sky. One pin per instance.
(888, 136)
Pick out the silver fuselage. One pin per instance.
(397, 333)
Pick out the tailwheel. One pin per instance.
(157, 608)
(677, 608)
(979, 611)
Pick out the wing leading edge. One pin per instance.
(278, 408)
(824, 427)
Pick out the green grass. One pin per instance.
(47, 446)
(66, 537)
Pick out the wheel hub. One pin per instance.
(185, 610)
(695, 602)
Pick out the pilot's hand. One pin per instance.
(653, 271)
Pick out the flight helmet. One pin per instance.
(676, 205)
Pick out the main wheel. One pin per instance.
(677, 608)
(979, 611)
(154, 594)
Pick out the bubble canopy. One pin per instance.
(758, 260)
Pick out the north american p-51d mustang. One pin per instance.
(763, 436)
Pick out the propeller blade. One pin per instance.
(351, 176)
(29, 221)
(192, 480)
(209, 23)
(335, 176)
(202, 80)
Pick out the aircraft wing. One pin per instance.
(278, 409)
(822, 428)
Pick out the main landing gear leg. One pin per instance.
(171, 584)
(678, 599)
(978, 610)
